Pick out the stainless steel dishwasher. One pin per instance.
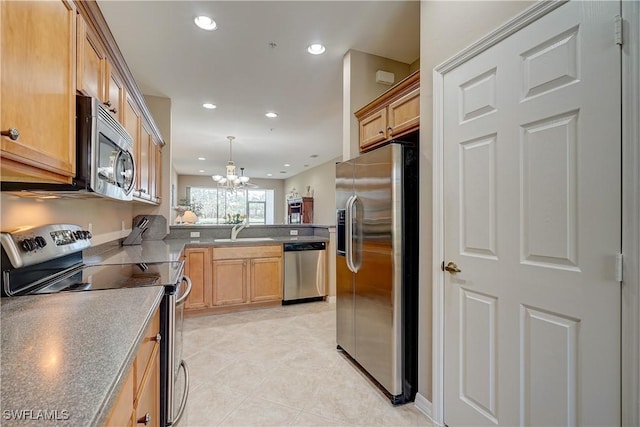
(305, 265)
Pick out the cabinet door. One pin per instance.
(404, 114)
(307, 210)
(229, 282)
(132, 120)
(148, 398)
(114, 97)
(37, 41)
(156, 169)
(266, 279)
(373, 128)
(91, 62)
(122, 410)
(142, 162)
(198, 268)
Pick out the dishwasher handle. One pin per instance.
(305, 246)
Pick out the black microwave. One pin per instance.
(105, 161)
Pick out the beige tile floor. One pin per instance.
(280, 367)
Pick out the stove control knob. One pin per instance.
(87, 234)
(78, 235)
(40, 242)
(28, 245)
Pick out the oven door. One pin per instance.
(179, 376)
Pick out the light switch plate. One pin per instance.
(293, 232)
(194, 234)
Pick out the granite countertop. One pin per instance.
(151, 251)
(69, 353)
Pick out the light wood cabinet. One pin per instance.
(229, 282)
(37, 91)
(139, 397)
(391, 115)
(373, 128)
(91, 61)
(114, 93)
(156, 168)
(197, 267)
(403, 114)
(142, 163)
(242, 278)
(266, 279)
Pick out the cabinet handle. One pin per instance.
(107, 103)
(381, 132)
(12, 133)
(158, 337)
(145, 420)
(389, 128)
(113, 110)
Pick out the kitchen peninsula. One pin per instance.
(227, 275)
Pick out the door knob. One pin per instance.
(12, 133)
(451, 267)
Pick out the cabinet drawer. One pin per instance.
(236, 252)
(146, 348)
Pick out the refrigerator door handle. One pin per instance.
(349, 233)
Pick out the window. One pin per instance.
(221, 206)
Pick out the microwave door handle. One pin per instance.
(129, 189)
(115, 167)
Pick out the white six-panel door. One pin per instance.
(532, 219)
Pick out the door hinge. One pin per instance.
(617, 30)
(618, 267)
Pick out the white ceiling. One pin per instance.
(235, 68)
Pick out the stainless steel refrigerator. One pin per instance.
(377, 265)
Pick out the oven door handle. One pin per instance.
(183, 401)
(186, 294)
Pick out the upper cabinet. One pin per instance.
(394, 113)
(49, 51)
(91, 61)
(37, 91)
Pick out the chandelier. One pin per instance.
(231, 180)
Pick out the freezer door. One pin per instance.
(378, 189)
(345, 332)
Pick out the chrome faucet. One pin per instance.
(237, 229)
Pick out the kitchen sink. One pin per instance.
(246, 239)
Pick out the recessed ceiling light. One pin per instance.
(201, 171)
(283, 171)
(316, 49)
(209, 106)
(205, 22)
(271, 115)
(286, 165)
(269, 174)
(201, 158)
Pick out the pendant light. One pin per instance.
(231, 180)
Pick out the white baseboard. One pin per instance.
(331, 300)
(425, 407)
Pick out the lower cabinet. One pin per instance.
(138, 402)
(197, 266)
(237, 278)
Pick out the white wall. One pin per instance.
(322, 180)
(445, 29)
(277, 185)
(360, 88)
